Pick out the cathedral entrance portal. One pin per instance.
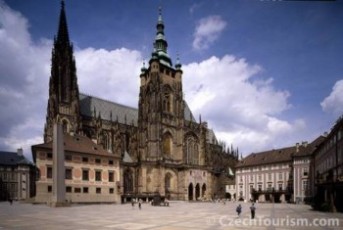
(197, 191)
(190, 191)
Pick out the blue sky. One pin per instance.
(264, 74)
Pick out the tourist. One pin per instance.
(133, 202)
(252, 209)
(140, 204)
(239, 209)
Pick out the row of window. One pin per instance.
(68, 157)
(331, 142)
(85, 174)
(69, 189)
(270, 176)
(261, 168)
(270, 186)
(8, 176)
(330, 161)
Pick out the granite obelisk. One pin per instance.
(58, 186)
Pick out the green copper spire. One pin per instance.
(161, 44)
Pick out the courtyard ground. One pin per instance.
(178, 216)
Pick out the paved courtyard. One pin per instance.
(179, 216)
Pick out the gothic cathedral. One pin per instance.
(160, 147)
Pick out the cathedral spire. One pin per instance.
(161, 44)
(63, 35)
(63, 91)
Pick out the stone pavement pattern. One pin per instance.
(179, 216)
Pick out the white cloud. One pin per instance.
(334, 102)
(241, 109)
(25, 71)
(208, 31)
(112, 75)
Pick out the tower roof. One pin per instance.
(63, 35)
(161, 44)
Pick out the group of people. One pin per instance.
(252, 210)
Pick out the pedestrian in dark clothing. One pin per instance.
(140, 204)
(239, 209)
(252, 209)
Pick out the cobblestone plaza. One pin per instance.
(178, 216)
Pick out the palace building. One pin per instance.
(327, 170)
(278, 175)
(114, 152)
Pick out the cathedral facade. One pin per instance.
(158, 148)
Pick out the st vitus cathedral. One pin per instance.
(158, 148)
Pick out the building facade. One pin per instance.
(327, 170)
(17, 176)
(278, 175)
(91, 172)
(159, 148)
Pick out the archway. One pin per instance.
(167, 184)
(203, 191)
(197, 191)
(190, 191)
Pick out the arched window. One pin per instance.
(192, 150)
(167, 103)
(196, 154)
(167, 182)
(65, 126)
(167, 143)
(106, 141)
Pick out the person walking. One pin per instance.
(140, 204)
(133, 202)
(239, 210)
(252, 209)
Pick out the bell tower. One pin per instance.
(161, 105)
(63, 103)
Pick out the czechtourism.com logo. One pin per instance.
(226, 221)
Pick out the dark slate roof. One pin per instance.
(104, 107)
(211, 137)
(280, 155)
(12, 159)
(309, 149)
(88, 103)
(268, 157)
(188, 113)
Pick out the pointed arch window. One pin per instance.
(167, 182)
(167, 143)
(167, 103)
(106, 141)
(65, 126)
(192, 151)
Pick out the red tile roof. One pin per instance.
(77, 144)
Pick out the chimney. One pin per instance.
(20, 152)
(297, 147)
(305, 143)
